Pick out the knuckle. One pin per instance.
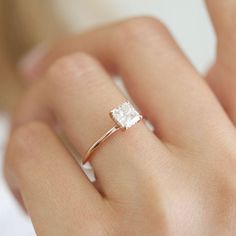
(24, 144)
(98, 228)
(98, 225)
(141, 29)
(226, 194)
(224, 173)
(71, 68)
(226, 159)
(75, 73)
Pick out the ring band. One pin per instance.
(124, 116)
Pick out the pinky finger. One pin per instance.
(54, 189)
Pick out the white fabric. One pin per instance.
(187, 20)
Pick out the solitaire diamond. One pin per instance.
(125, 115)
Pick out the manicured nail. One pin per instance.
(30, 66)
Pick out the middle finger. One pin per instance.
(160, 79)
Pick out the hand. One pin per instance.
(178, 181)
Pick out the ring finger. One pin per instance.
(80, 95)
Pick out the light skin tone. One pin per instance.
(179, 180)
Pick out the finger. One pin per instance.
(221, 77)
(80, 94)
(158, 76)
(54, 189)
(223, 17)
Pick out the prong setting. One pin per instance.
(125, 115)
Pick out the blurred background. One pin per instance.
(187, 20)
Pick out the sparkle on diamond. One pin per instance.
(125, 115)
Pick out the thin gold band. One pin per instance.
(124, 116)
(90, 151)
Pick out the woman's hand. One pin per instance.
(178, 181)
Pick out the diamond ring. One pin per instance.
(124, 116)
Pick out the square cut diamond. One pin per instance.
(125, 115)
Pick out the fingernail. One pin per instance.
(30, 66)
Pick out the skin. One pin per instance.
(179, 180)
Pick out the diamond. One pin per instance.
(125, 115)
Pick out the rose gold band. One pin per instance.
(90, 151)
(124, 116)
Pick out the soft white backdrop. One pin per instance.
(187, 20)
